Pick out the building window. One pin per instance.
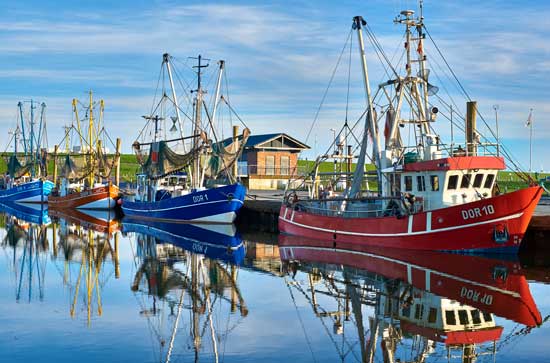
(465, 183)
(420, 183)
(408, 183)
(434, 181)
(489, 181)
(478, 180)
(285, 165)
(450, 317)
(270, 165)
(453, 182)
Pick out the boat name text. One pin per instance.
(476, 296)
(200, 198)
(486, 210)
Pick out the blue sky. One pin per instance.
(279, 56)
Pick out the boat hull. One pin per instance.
(103, 197)
(209, 240)
(32, 192)
(37, 215)
(478, 226)
(105, 223)
(489, 284)
(214, 205)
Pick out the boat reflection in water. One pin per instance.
(87, 243)
(188, 268)
(79, 253)
(422, 304)
(26, 236)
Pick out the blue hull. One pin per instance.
(193, 238)
(214, 205)
(37, 215)
(34, 192)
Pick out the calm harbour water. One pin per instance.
(75, 294)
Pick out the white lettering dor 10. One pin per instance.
(471, 213)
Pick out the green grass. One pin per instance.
(507, 180)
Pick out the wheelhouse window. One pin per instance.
(419, 312)
(478, 180)
(450, 317)
(476, 316)
(465, 182)
(420, 183)
(434, 181)
(489, 181)
(395, 184)
(463, 317)
(408, 183)
(453, 182)
(432, 315)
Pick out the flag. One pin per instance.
(529, 119)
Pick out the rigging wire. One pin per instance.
(328, 86)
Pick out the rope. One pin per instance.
(328, 86)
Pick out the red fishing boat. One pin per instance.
(429, 195)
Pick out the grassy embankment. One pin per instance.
(128, 167)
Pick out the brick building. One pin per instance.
(269, 160)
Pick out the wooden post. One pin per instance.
(117, 170)
(471, 140)
(117, 264)
(55, 150)
(236, 146)
(54, 235)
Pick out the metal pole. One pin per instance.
(358, 22)
(495, 107)
(166, 59)
(530, 140)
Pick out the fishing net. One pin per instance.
(225, 154)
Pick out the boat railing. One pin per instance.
(353, 207)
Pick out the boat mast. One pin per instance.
(31, 137)
(370, 124)
(217, 95)
(198, 113)
(166, 60)
(42, 127)
(20, 105)
(90, 139)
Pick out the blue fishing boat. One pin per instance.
(34, 191)
(187, 178)
(25, 180)
(219, 242)
(32, 213)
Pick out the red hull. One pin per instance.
(469, 226)
(491, 285)
(92, 198)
